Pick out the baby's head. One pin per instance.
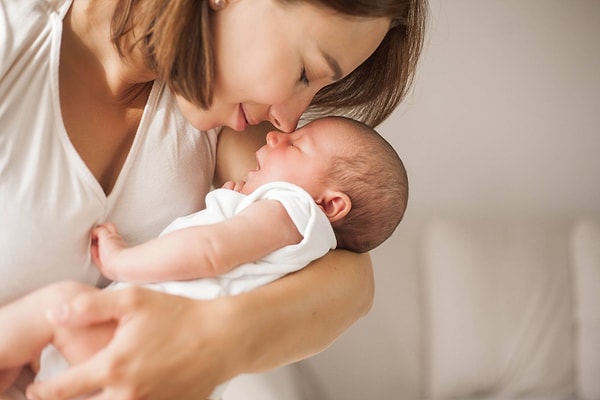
(370, 172)
(354, 175)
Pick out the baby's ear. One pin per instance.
(336, 205)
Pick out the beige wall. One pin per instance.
(505, 113)
(504, 119)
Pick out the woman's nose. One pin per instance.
(282, 120)
(285, 116)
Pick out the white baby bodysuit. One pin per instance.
(311, 222)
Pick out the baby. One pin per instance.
(334, 183)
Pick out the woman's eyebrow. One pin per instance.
(334, 65)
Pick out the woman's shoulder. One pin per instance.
(19, 14)
(24, 23)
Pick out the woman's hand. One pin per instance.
(158, 352)
(169, 347)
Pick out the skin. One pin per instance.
(276, 43)
(316, 305)
(191, 253)
(31, 331)
(301, 157)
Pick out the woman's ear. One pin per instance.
(336, 205)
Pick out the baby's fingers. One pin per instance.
(228, 185)
(234, 185)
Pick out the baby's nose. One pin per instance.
(272, 138)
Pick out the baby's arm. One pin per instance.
(26, 331)
(197, 252)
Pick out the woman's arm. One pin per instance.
(303, 313)
(285, 321)
(306, 310)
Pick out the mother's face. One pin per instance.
(272, 57)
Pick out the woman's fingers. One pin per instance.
(94, 307)
(137, 365)
(77, 381)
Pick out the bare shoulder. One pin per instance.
(235, 152)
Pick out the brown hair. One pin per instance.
(374, 178)
(373, 90)
(176, 41)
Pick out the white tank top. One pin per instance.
(49, 200)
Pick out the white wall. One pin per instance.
(505, 113)
(504, 119)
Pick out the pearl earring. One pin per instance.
(217, 5)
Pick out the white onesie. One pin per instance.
(311, 222)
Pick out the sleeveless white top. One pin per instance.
(49, 200)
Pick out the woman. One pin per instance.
(112, 110)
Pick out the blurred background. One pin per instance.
(503, 124)
(505, 112)
(490, 287)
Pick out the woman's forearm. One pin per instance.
(302, 313)
(285, 321)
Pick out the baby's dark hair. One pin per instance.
(374, 178)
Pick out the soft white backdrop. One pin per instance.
(505, 112)
(504, 119)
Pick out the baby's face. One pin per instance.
(301, 157)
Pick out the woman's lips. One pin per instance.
(242, 120)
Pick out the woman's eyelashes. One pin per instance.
(304, 77)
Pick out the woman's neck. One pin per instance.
(86, 40)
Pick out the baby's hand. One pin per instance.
(234, 185)
(106, 244)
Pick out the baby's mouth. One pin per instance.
(257, 164)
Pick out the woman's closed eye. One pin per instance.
(304, 77)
